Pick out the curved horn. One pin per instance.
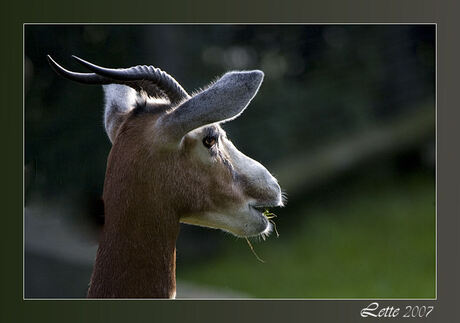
(147, 78)
(86, 78)
(161, 79)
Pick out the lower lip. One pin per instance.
(260, 213)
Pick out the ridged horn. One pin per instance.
(141, 77)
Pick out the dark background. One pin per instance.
(345, 118)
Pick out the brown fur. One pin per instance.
(147, 189)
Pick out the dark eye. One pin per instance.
(208, 141)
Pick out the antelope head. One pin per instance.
(169, 144)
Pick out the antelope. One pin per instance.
(170, 163)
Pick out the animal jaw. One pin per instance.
(243, 223)
(170, 162)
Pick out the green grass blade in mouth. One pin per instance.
(268, 214)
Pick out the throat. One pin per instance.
(136, 257)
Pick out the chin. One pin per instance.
(257, 225)
(243, 224)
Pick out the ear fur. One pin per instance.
(119, 101)
(224, 100)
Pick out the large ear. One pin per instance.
(119, 101)
(222, 101)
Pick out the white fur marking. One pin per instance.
(119, 100)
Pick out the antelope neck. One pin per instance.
(136, 257)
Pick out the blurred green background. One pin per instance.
(345, 119)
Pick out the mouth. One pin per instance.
(263, 209)
(259, 209)
(262, 213)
